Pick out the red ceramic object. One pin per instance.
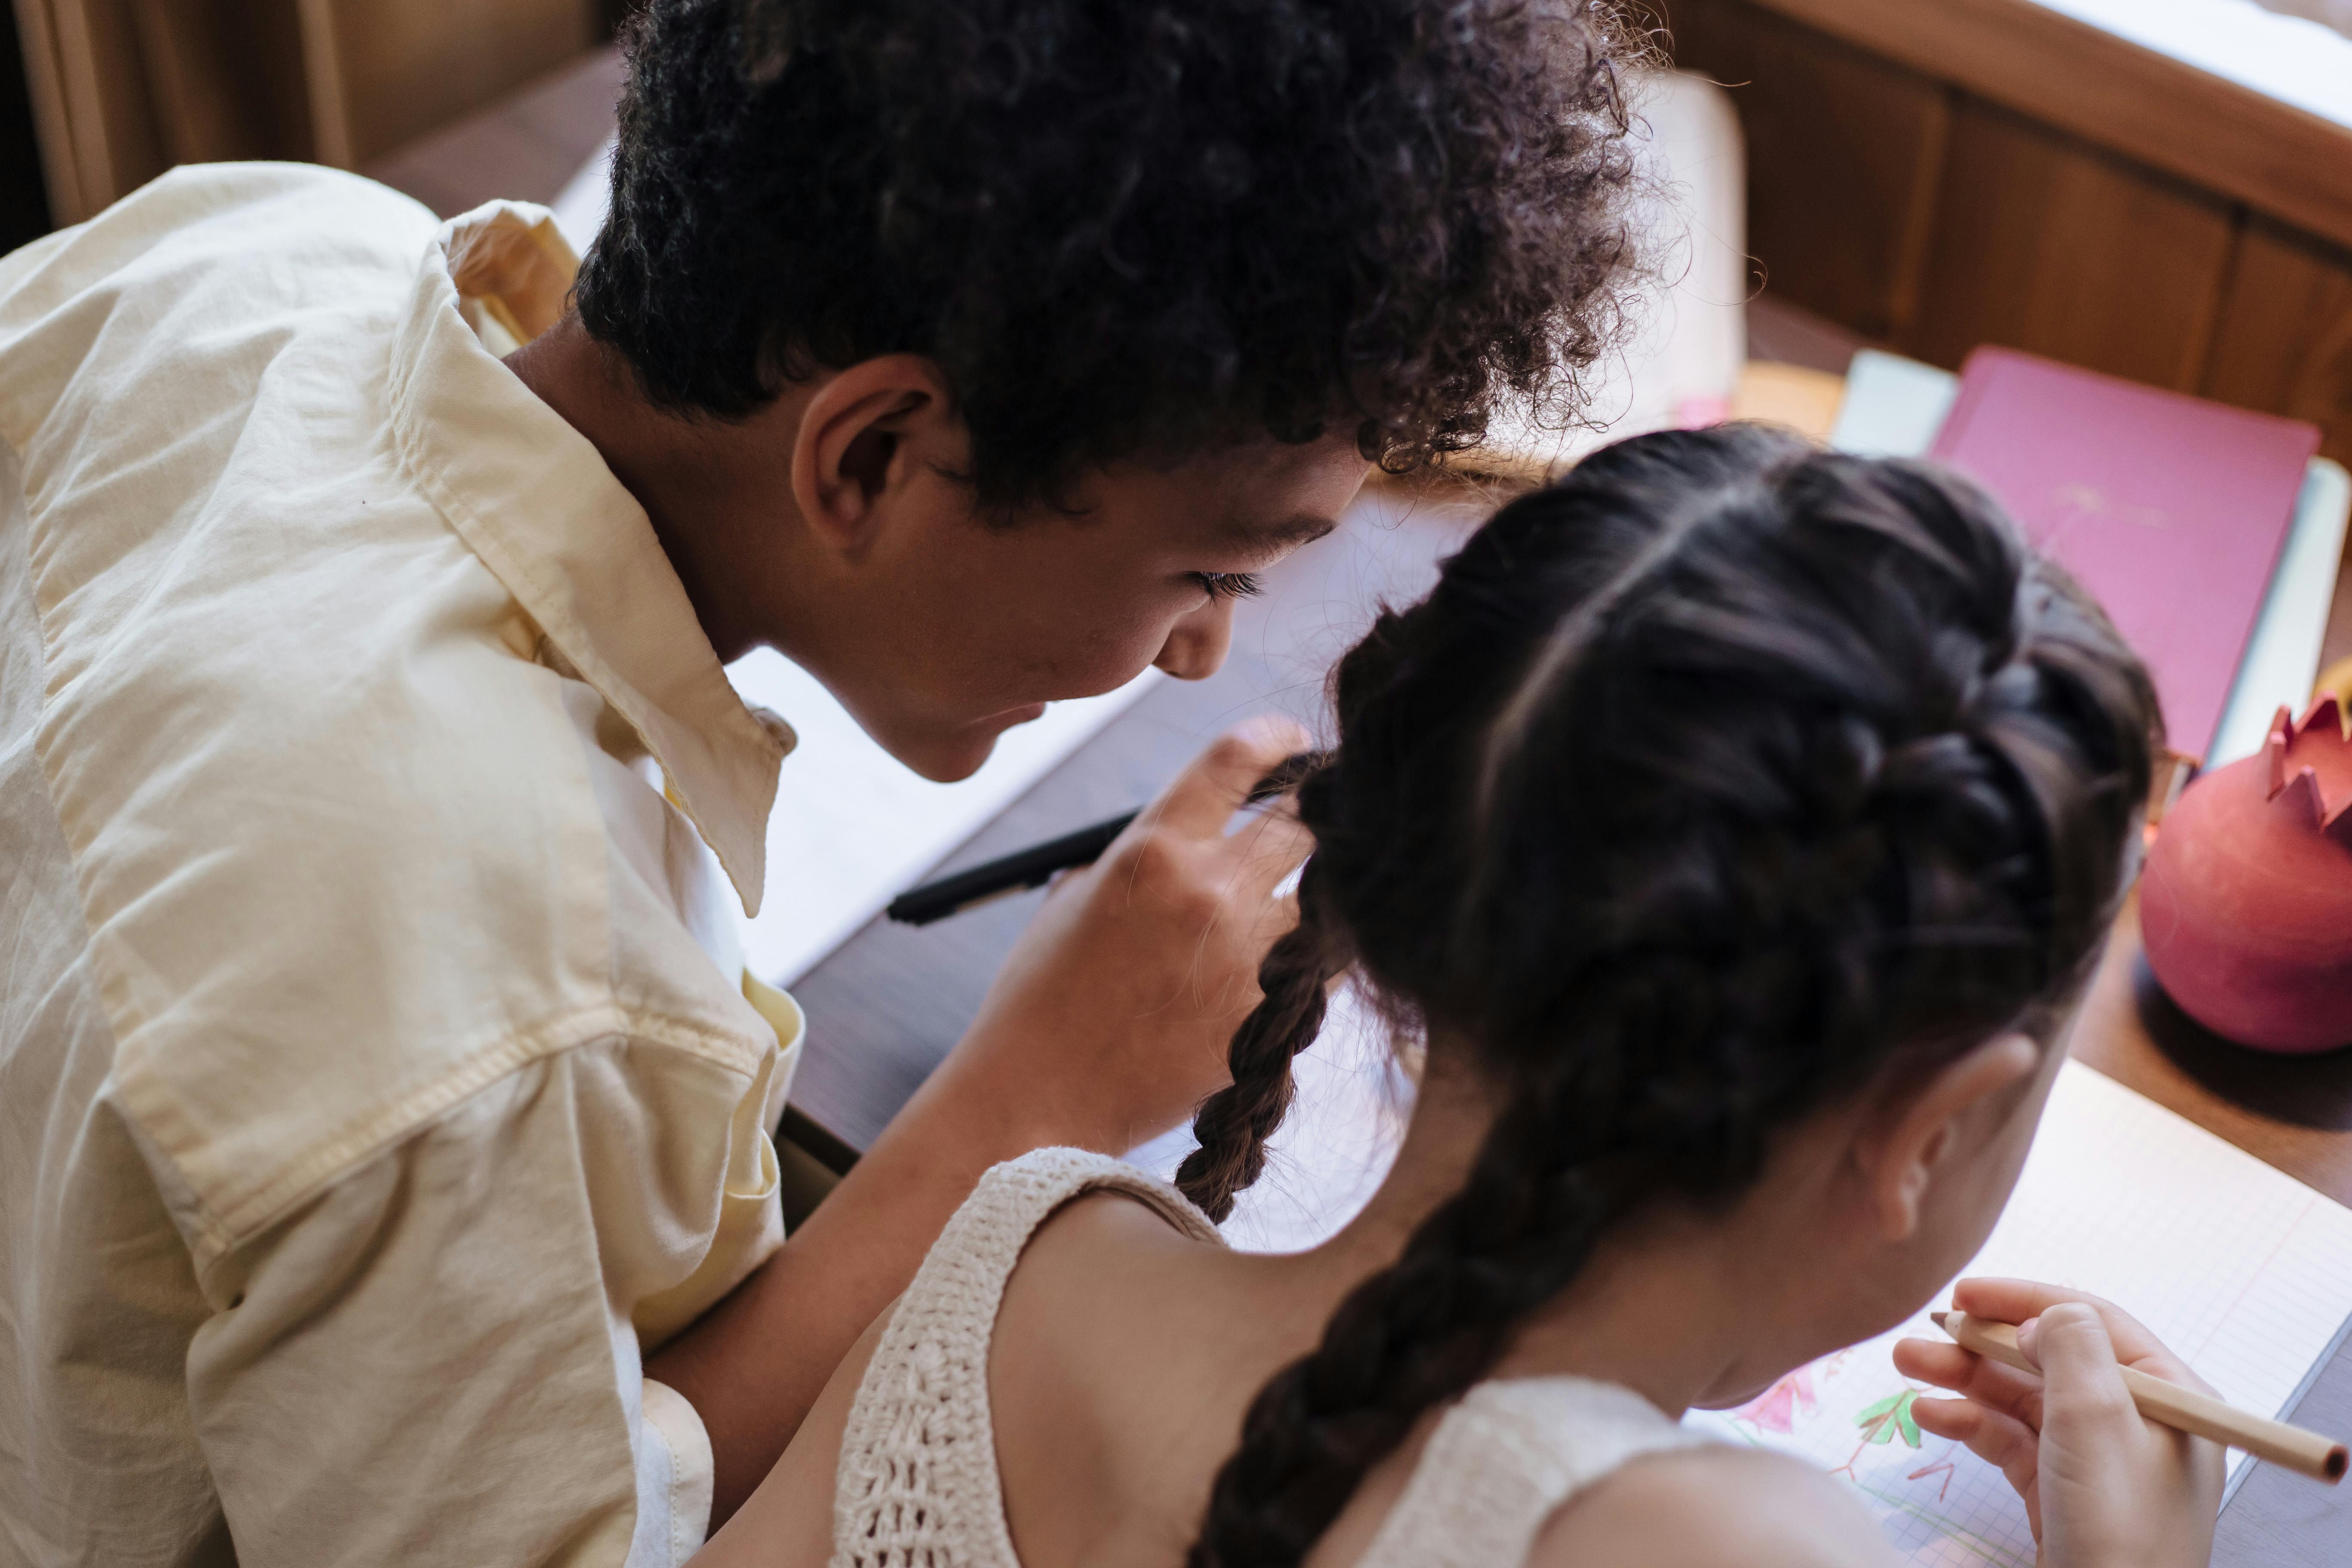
(2246, 903)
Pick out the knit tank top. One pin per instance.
(918, 1484)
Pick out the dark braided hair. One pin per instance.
(1234, 1124)
(1705, 785)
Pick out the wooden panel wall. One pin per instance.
(1918, 211)
(1831, 131)
(226, 78)
(122, 90)
(2283, 340)
(2051, 245)
(383, 74)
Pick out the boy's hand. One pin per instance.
(2103, 1485)
(1111, 1019)
(1109, 1022)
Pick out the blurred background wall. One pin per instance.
(1933, 174)
(2336, 13)
(1924, 175)
(103, 95)
(23, 195)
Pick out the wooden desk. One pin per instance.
(886, 1005)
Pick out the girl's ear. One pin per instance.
(1919, 1128)
(864, 433)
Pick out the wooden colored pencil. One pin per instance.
(2198, 1414)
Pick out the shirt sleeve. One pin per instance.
(434, 1361)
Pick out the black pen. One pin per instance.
(1036, 866)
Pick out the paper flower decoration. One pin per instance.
(2246, 903)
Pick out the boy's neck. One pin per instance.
(709, 487)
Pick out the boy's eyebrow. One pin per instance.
(1301, 528)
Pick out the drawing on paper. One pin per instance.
(1852, 1415)
(1883, 1418)
(1775, 1409)
(2252, 1285)
(1944, 1468)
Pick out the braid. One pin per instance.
(1742, 769)
(1293, 980)
(1235, 1122)
(1409, 1339)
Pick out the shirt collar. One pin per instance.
(535, 502)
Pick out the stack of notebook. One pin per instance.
(2210, 534)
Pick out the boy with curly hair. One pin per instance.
(388, 1174)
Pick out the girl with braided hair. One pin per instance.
(1728, 836)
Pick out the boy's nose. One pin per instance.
(1196, 645)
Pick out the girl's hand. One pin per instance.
(2103, 1485)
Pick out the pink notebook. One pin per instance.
(2170, 510)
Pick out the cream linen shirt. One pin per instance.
(378, 1079)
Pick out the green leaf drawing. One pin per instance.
(1889, 1415)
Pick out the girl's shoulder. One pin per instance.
(1098, 1240)
(1019, 1197)
(1712, 1505)
(1117, 1265)
(1124, 1352)
(1060, 1263)
(914, 1449)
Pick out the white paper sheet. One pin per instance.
(2245, 1272)
(1893, 406)
(585, 198)
(853, 828)
(1328, 1157)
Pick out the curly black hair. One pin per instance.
(1124, 227)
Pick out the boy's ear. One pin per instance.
(1903, 1147)
(865, 433)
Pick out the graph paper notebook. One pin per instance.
(2170, 510)
(851, 827)
(2243, 1272)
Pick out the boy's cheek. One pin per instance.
(1070, 660)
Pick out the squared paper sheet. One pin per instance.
(853, 828)
(2243, 1272)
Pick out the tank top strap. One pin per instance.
(917, 1485)
(1503, 1459)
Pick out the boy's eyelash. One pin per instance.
(1229, 584)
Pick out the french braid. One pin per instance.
(1732, 771)
(1234, 1124)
